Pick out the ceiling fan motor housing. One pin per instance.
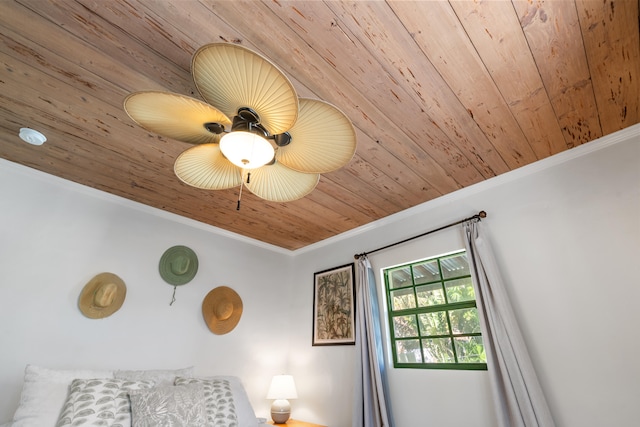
(246, 122)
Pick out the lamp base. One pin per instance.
(280, 411)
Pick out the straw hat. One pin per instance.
(222, 308)
(102, 296)
(178, 265)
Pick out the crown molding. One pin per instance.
(627, 134)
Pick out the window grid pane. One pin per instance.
(431, 294)
(433, 314)
(470, 349)
(464, 321)
(433, 323)
(403, 299)
(459, 290)
(438, 350)
(405, 326)
(400, 277)
(409, 351)
(426, 272)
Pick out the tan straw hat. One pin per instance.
(102, 296)
(222, 308)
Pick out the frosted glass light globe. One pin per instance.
(246, 150)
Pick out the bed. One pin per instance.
(127, 398)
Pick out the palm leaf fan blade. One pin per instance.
(231, 77)
(174, 116)
(204, 166)
(322, 139)
(278, 183)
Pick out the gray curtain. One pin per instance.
(517, 394)
(371, 400)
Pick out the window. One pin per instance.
(433, 319)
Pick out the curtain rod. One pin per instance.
(478, 216)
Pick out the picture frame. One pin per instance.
(334, 306)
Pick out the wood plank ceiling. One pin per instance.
(443, 94)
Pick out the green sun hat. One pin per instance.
(178, 265)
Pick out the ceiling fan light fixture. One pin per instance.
(246, 150)
(251, 116)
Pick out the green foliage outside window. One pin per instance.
(433, 317)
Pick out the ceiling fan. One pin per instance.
(252, 131)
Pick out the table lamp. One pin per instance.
(282, 388)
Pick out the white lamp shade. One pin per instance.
(246, 150)
(282, 387)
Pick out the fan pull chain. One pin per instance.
(239, 196)
(242, 185)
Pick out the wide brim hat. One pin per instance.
(178, 265)
(222, 309)
(102, 296)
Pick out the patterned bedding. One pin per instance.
(167, 398)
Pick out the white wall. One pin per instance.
(55, 236)
(565, 231)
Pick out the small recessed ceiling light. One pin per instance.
(31, 136)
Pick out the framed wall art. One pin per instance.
(334, 306)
